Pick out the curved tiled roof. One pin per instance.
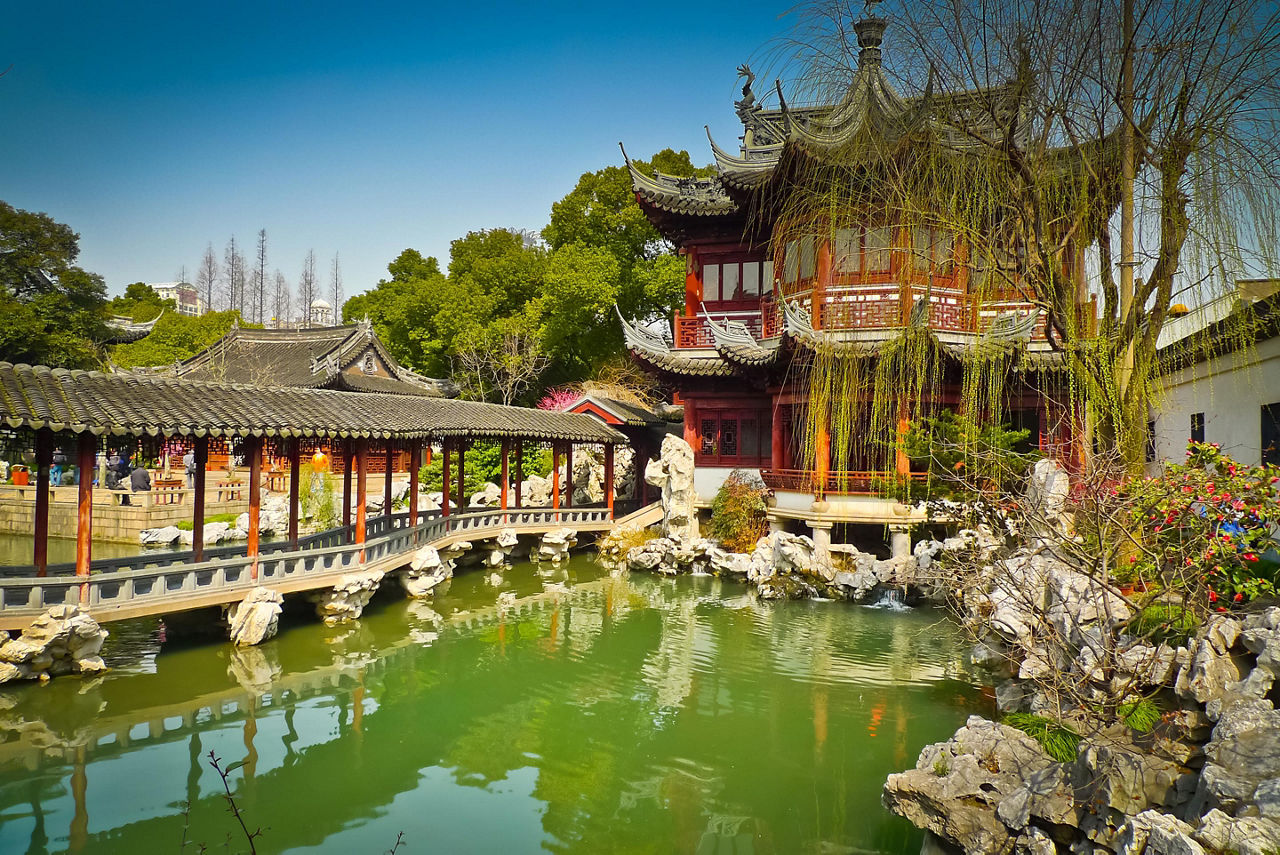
(92, 402)
(307, 358)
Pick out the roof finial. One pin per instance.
(870, 30)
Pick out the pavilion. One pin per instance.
(93, 409)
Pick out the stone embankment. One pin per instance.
(1203, 777)
(1205, 780)
(63, 640)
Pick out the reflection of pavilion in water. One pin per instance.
(355, 766)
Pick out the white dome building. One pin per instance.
(321, 314)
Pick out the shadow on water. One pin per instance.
(588, 714)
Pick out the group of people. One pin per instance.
(122, 474)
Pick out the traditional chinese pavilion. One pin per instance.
(762, 299)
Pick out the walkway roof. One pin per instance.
(93, 402)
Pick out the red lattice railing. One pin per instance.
(695, 332)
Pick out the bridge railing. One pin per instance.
(155, 580)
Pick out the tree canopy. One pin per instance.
(54, 311)
(140, 302)
(175, 337)
(553, 293)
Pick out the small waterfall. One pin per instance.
(891, 600)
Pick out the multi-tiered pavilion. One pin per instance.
(763, 295)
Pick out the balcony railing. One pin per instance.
(835, 483)
(863, 307)
(694, 332)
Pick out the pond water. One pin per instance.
(633, 714)
(17, 550)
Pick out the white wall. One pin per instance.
(707, 480)
(1230, 390)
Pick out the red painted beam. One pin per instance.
(608, 478)
(362, 490)
(506, 473)
(415, 463)
(444, 464)
(387, 488)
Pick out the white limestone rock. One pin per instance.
(500, 547)
(454, 551)
(555, 545)
(160, 536)
(672, 473)
(347, 599)
(425, 572)
(256, 618)
(490, 496)
(1244, 835)
(1155, 833)
(63, 640)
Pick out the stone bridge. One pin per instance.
(163, 583)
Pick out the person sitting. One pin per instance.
(140, 480)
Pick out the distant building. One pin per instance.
(321, 314)
(184, 295)
(1216, 384)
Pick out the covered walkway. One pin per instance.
(91, 410)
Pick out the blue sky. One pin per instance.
(362, 128)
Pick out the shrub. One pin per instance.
(1206, 527)
(186, 525)
(484, 465)
(738, 513)
(318, 498)
(958, 453)
(1058, 741)
(1142, 716)
(1165, 622)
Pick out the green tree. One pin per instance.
(140, 302)
(54, 311)
(175, 336)
(576, 307)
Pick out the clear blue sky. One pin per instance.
(154, 128)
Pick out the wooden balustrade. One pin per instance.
(859, 307)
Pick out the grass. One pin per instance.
(185, 525)
(1167, 622)
(1141, 715)
(1058, 741)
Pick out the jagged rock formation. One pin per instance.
(498, 549)
(672, 473)
(426, 571)
(347, 599)
(555, 545)
(255, 618)
(63, 640)
(991, 788)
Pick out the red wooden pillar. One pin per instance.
(901, 462)
(778, 440)
(362, 490)
(86, 451)
(415, 463)
(253, 450)
(462, 476)
(44, 459)
(555, 476)
(444, 463)
(519, 470)
(608, 478)
(386, 488)
(295, 476)
(197, 514)
(346, 482)
(506, 473)
(568, 475)
(691, 433)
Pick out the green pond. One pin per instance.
(594, 714)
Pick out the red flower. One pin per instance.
(1249, 556)
(1239, 598)
(1213, 596)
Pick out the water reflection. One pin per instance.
(589, 713)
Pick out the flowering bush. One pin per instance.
(1208, 526)
(558, 399)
